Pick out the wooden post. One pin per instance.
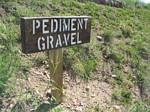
(55, 58)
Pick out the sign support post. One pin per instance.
(55, 59)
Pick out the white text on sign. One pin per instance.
(59, 25)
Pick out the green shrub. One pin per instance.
(9, 59)
(117, 57)
(126, 31)
(108, 36)
(119, 76)
(139, 107)
(147, 6)
(118, 34)
(19, 107)
(126, 96)
(80, 60)
(58, 110)
(9, 64)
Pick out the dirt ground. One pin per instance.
(79, 95)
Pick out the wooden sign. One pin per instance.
(46, 33)
(49, 33)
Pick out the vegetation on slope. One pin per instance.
(123, 54)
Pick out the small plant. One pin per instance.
(19, 107)
(116, 95)
(107, 37)
(97, 109)
(119, 79)
(139, 107)
(126, 31)
(9, 59)
(118, 34)
(80, 61)
(126, 96)
(117, 57)
(58, 110)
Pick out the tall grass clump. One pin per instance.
(9, 60)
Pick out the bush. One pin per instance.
(139, 107)
(80, 60)
(108, 35)
(9, 64)
(147, 6)
(126, 96)
(9, 60)
(127, 31)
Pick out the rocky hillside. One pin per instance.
(109, 74)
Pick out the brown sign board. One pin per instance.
(46, 33)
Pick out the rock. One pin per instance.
(48, 94)
(11, 105)
(2, 12)
(113, 76)
(67, 79)
(46, 74)
(99, 38)
(78, 81)
(32, 110)
(87, 89)
(75, 102)
(134, 77)
(47, 66)
(37, 72)
(93, 95)
(126, 69)
(44, 62)
(79, 109)
(81, 104)
(68, 106)
(116, 108)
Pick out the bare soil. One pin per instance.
(79, 94)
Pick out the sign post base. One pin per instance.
(55, 58)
